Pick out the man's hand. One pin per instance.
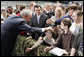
(49, 21)
(47, 28)
(47, 49)
(28, 49)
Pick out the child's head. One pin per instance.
(65, 23)
(49, 33)
(77, 16)
(52, 32)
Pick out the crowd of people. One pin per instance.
(66, 24)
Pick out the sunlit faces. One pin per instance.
(62, 25)
(74, 16)
(57, 13)
(47, 7)
(38, 11)
(77, 16)
(31, 7)
(70, 12)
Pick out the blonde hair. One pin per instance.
(32, 3)
(60, 11)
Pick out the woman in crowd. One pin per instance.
(31, 7)
(58, 15)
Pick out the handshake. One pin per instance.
(47, 28)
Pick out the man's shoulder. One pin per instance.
(12, 17)
(15, 19)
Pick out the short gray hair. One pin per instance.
(25, 12)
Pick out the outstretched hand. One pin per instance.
(49, 21)
(28, 49)
(47, 28)
(47, 49)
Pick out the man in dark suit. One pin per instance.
(38, 20)
(11, 28)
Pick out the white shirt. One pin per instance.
(38, 18)
(13, 14)
(2, 17)
(75, 28)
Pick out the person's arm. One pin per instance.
(40, 40)
(58, 22)
(46, 18)
(75, 46)
(73, 50)
(72, 39)
(53, 46)
(23, 26)
(58, 40)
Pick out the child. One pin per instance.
(66, 38)
(48, 39)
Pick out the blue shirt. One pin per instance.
(59, 21)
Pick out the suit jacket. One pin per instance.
(9, 31)
(42, 23)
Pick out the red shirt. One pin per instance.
(18, 14)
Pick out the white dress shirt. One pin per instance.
(75, 28)
(38, 18)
